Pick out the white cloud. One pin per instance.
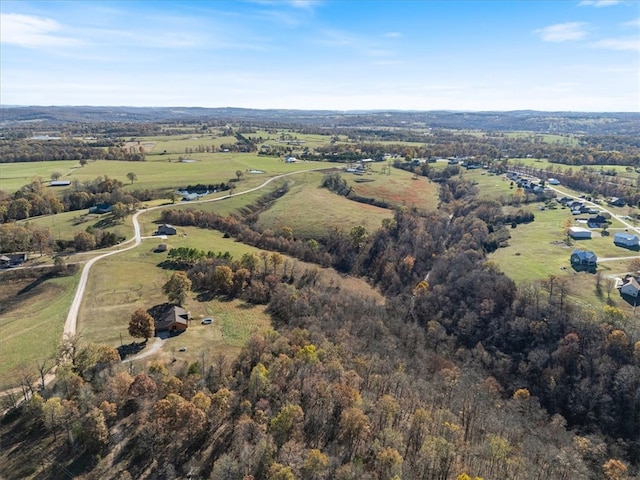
(304, 3)
(32, 32)
(632, 23)
(627, 43)
(598, 3)
(393, 34)
(563, 32)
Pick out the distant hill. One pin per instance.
(524, 120)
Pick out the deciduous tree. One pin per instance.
(141, 324)
(177, 288)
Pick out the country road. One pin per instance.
(71, 321)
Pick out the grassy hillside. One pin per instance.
(32, 319)
(311, 211)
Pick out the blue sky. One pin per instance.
(581, 55)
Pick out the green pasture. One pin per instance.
(63, 226)
(32, 327)
(15, 175)
(554, 139)
(207, 169)
(177, 145)
(311, 211)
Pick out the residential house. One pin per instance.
(630, 287)
(175, 319)
(579, 233)
(166, 229)
(616, 202)
(627, 240)
(596, 222)
(553, 181)
(583, 258)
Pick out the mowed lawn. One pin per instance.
(311, 211)
(33, 323)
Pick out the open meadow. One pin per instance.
(32, 315)
(15, 175)
(63, 226)
(397, 187)
(311, 211)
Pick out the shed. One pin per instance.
(579, 233)
(60, 183)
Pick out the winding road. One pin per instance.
(72, 317)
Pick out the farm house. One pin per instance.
(627, 240)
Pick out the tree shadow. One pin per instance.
(132, 348)
(38, 281)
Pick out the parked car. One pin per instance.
(207, 321)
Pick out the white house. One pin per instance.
(626, 240)
(631, 287)
(579, 233)
(553, 181)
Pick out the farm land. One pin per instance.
(123, 282)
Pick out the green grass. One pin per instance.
(311, 211)
(15, 175)
(398, 187)
(64, 226)
(32, 327)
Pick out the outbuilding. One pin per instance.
(579, 233)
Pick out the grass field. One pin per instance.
(32, 322)
(64, 226)
(15, 175)
(398, 188)
(311, 210)
(157, 172)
